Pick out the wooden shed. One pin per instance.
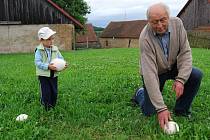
(195, 13)
(21, 19)
(122, 34)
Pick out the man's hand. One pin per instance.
(178, 87)
(164, 117)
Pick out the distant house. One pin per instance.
(122, 34)
(195, 14)
(21, 19)
(87, 38)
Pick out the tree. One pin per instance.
(98, 28)
(77, 8)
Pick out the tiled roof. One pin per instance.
(124, 29)
(89, 35)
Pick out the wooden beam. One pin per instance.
(10, 22)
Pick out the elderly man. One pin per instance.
(166, 54)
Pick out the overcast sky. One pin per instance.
(105, 11)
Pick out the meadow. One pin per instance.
(94, 99)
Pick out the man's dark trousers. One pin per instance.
(184, 102)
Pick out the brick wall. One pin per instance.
(23, 38)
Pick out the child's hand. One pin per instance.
(66, 66)
(51, 67)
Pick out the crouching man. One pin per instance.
(166, 54)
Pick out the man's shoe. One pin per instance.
(133, 101)
(138, 97)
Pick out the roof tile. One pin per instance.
(89, 34)
(124, 29)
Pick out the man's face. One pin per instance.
(159, 21)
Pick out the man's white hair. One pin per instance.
(162, 5)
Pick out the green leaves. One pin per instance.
(76, 8)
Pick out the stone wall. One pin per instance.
(23, 38)
(93, 45)
(199, 39)
(118, 43)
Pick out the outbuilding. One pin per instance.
(122, 34)
(21, 19)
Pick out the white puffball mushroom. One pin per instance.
(58, 63)
(171, 128)
(22, 117)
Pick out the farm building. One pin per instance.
(87, 38)
(21, 19)
(195, 14)
(196, 19)
(122, 34)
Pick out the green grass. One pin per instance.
(94, 99)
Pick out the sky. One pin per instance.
(105, 11)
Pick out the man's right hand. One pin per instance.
(164, 117)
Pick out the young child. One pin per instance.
(46, 72)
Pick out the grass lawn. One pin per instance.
(94, 99)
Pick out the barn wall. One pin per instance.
(196, 14)
(189, 16)
(134, 43)
(31, 12)
(204, 13)
(23, 38)
(118, 43)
